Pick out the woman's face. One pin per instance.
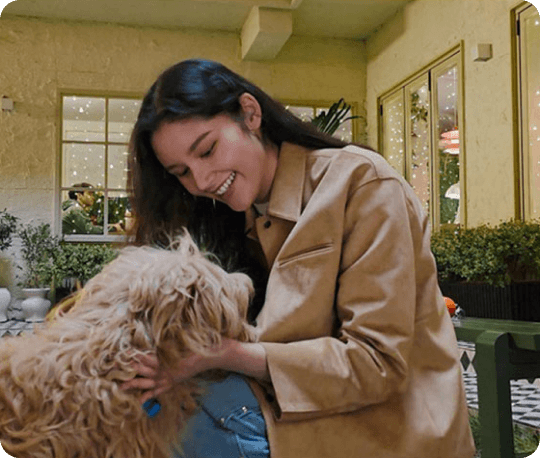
(218, 159)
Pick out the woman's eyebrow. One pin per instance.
(198, 140)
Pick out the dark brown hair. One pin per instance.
(160, 204)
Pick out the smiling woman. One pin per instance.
(219, 158)
(354, 337)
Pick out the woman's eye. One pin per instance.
(209, 152)
(183, 173)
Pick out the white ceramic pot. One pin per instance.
(36, 305)
(5, 299)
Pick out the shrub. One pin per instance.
(8, 226)
(496, 255)
(82, 261)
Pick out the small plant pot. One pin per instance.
(5, 299)
(36, 305)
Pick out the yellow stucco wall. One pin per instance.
(425, 30)
(38, 58)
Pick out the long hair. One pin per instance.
(161, 205)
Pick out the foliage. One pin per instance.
(329, 121)
(525, 439)
(496, 255)
(86, 215)
(8, 226)
(81, 261)
(39, 247)
(116, 210)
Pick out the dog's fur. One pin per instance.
(59, 387)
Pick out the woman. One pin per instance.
(356, 356)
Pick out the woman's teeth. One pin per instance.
(226, 185)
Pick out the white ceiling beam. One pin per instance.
(265, 32)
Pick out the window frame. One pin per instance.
(522, 184)
(453, 57)
(59, 188)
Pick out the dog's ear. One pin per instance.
(199, 303)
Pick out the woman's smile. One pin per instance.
(225, 186)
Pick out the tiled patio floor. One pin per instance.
(525, 395)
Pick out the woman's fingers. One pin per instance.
(148, 360)
(144, 370)
(152, 394)
(139, 383)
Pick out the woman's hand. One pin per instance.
(233, 356)
(154, 380)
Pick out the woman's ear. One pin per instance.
(251, 111)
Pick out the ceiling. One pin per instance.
(352, 19)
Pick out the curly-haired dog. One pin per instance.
(59, 387)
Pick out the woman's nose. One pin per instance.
(201, 176)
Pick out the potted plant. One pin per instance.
(8, 226)
(38, 250)
(76, 263)
(329, 121)
(491, 271)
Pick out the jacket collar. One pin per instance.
(288, 186)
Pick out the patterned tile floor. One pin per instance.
(15, 327)
(525, 394)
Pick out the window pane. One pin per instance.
(117, 168)
(82, 212)
(393, 135)
(449, 146)
(122, 117)
(531, 105)
(83, 119)
(419, 141)
(118, 209)
(83, 163)
(344, 130)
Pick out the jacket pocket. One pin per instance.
(306, 253)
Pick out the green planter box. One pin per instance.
(517, 301)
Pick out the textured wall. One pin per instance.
(38, 58)
(427, 29)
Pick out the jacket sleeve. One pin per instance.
(367, 361)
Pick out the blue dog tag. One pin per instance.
(152, 407)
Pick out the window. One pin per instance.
(93, 199)
(419, 135)
(527, 40)
(93, 167)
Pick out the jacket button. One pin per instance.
(267, 224)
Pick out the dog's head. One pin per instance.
(147, 300)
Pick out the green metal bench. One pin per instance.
(505, 350)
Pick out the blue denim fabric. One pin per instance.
(229, 423)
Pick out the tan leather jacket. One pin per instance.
(361, 350)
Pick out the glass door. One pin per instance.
(393, 131)
(418, 139)
(529, 82)
(447, 134)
